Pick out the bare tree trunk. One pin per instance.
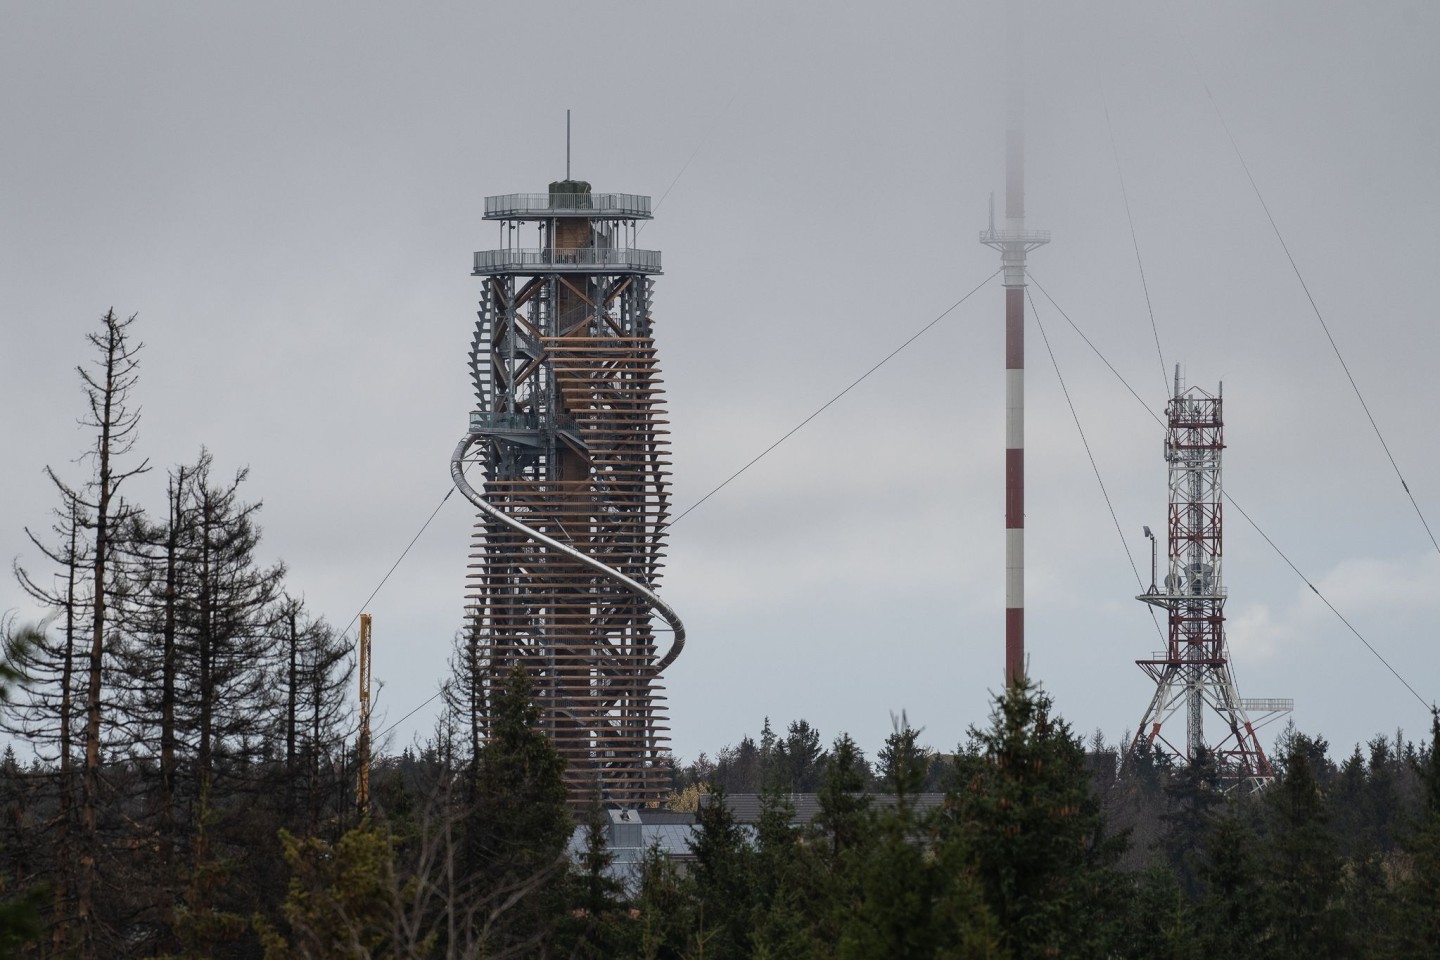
(64, 849)
(91, 784)
(107, 390)
(292, 681)
(315, 754)
(206, 651)
(169, 668)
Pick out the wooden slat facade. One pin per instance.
(576, 352)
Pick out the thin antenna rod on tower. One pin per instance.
(567, 144)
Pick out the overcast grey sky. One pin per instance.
(289, 194)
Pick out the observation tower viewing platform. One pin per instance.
(530, 206)
(568, 230)
(566, 260)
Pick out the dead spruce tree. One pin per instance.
(44, 711)
(65, 701)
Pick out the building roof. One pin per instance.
(747, 807)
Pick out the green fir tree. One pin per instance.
(1302, 869)
(1024, 802)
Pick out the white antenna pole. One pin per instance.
(1014, 242)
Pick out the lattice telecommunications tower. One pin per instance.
(1192, 674)
(568, 432)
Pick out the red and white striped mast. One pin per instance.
(1014, 242)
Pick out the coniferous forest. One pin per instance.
(180, 775)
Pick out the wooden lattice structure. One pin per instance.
(570, 432)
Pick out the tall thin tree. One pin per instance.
(44, 712)
(108, 381)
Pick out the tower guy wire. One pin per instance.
(1096, 350)
(711, 127)
(1088, 342)
(1135, 243)
(1323, 599)
(720, 486)
(822, 408)
(1303, 578)
(1315, 308)
(393, 566)
(1095, 467)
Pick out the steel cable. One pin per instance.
(754, 460)
(1124, 544)
(1323, 325)
(824, 406)
(1304, 579)
(1135, 242)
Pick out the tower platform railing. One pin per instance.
(629, 206)
(493, 422)
(1267, 704)
(1027, 237)
(576, 260)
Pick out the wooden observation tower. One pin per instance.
(569, 434)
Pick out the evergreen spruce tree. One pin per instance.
(1192, 797)
(799, 758)
(345, 900)
(1024, 804)
(1302, 869)
(1383, 806)
(664, 909)
(909, 894)
(721, 882)
(1415, 921)
(599, 926)
(844, 818)
(1234, 921)
(516, 828)
(1136, 801)
(902, 765)
(1161, 922)
(888, 893)
(1364, 808)
(741, 768)
(785, 875)
(964, 927)
(1349, 802)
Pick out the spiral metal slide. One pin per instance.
(457, 473)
